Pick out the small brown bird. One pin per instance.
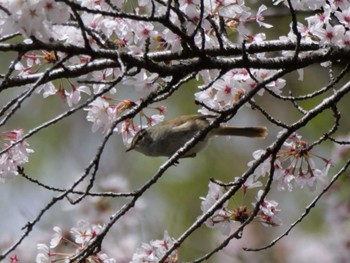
(165, 138)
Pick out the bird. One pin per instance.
(166, 137)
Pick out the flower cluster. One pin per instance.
(294, 163)
(223, 217)
(82, 236)
(330, 24)
(15, 156)
(48, 21)
(45, 20)
(155, 250)
(105, 109)
(220, 94)
(102, 34)
(32, 18)
(267, 211)
(103, 114)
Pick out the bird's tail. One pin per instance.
(258, 131)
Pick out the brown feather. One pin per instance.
(258, 131)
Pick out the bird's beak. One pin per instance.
(130, 148)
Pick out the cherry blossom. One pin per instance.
(346, 39)
(44, 254)
(296, 160)
(276, 86)
(320, 19)
(34, 18)
(228, 89)
(152, 252)
(268, 211)
(128, 131)
(260, 18)
(221, 218)
(263, 168)
(250, 183)
(343, 17)
(143, 82)
(57, 238)
(48, 88)
(330, 34)
(114, 39)
(14, 156)
(83, 234)
(56, 12)
(294, 163)
(74, 96)
(14, 259)
(214, 194)
(101, 114)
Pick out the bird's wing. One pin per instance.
(184, 123)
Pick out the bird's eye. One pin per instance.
(141, 135)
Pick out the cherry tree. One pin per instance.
(113, 65)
